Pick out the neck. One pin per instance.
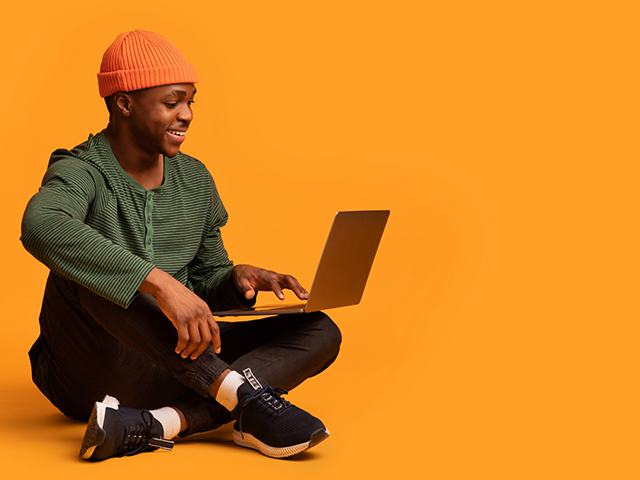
(145, 168)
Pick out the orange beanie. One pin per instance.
(142, 59)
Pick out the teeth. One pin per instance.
(175, 132)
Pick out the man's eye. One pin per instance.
(191, 102)
(171, 105)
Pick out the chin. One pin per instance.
(170, 152)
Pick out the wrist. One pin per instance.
(155, 282)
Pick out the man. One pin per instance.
(129, 227)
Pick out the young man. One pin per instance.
(130, 228)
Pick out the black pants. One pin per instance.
(90, 347)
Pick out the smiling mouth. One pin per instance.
(176, 132)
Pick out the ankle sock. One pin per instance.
(169, 420)
(227, 395)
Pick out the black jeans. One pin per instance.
(90, 347)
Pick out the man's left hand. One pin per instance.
(249, 279)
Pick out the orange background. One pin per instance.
(498, 336)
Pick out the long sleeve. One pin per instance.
(210, 270)
(55, 232)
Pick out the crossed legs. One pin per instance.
(96, 348)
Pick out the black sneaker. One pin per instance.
(268, 423)
(117, 431)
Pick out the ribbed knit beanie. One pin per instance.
(142, 59)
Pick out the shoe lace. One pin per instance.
(138, 437)
(269, 397)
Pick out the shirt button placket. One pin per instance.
(148, 210)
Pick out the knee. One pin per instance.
(328, 334)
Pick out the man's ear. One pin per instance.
(122, 103)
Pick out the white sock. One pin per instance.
(169, 419)
(227, 395)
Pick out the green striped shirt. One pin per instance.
(92, 223)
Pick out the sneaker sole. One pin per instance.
(95, 434)
(249, 441)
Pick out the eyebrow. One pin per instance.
(180, 92)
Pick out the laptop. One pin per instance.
(344, 266)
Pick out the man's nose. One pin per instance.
(185, 114)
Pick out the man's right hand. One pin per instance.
(189, 314)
